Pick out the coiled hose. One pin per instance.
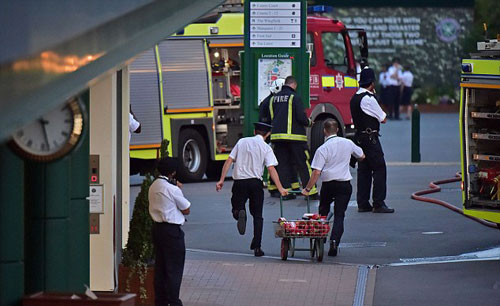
(434, 187)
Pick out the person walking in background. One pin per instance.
(167, 208)
(367, 116)
(384, 87)
(331, 162)
(394, 89)
(251, 155)
(407, 83)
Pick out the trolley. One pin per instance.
(316, 230)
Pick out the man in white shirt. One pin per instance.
(133, 125)
(407, 81)
(250, 155)
(367, 116)
(167, 207)
(394, 88)
(331, 162)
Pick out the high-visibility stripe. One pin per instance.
(489, 86)
(145, 146)
(295, 185)
(271, 107)
(328, 81)
(289, 127)
(226, 45)
(350, 82)
(190, 110)
(313, 189)
(283, 136)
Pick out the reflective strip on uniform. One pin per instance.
(271, 107)
(313, 189)
(288, 137)
(289, 127)
(328, 81)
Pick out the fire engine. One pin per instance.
(480, 131)
(187, 90)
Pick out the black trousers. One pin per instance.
(242, 191)
(290, 153)
(372, 168)
(394, 97)
(170, 253)
(340, 192)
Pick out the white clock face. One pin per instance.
(52, 135)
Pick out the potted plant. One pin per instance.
(136, 271)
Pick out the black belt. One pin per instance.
(369, 131)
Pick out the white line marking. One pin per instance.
(431, 233)
(293, 280)
(425, 164)
(244, 254)
(486, 255)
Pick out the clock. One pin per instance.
(52, 135)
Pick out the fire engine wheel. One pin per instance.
(285, 246)
(193, 156)
(214, 169)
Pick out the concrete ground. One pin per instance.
(423, 254)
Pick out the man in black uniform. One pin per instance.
(288, 135)
(367, 116)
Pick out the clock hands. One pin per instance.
(44, 122)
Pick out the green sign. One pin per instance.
(275, 47)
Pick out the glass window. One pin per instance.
(334, 51)
(310, 39)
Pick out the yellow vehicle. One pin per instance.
(186, 90)
(480, 132)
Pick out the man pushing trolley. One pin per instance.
(331, 162)
(250, 155)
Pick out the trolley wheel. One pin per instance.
(312, 247)
(285, 245)
(320, 248)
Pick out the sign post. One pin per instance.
(275, 47)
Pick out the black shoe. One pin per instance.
(383, 210)
(289, 197)
(365, 209)
(274, 194)
(242, 222)
(258, 252)
(334, 248)
(312, 197)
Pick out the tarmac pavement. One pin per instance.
(420, 255)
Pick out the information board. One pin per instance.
(96, 199)
(270, 70)
(275, 24)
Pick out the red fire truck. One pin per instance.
(186, 90)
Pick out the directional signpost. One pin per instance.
(275, 47)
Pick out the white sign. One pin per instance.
(274, 43)
(95, 199)
(270, 70)
(275, 24)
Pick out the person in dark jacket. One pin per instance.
(288, 135)
(367, 116)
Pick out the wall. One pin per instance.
(429, 39)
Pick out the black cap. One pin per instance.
(367, 76)
(167, 165)
(261, 126)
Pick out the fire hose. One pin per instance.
(434, 187)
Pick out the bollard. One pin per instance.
(415, 135)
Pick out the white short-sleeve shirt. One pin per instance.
(166, 202)
(251, 155)
(407, 78)
(393, 76)
(332, 158)
(132, 125)
(369, 105)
